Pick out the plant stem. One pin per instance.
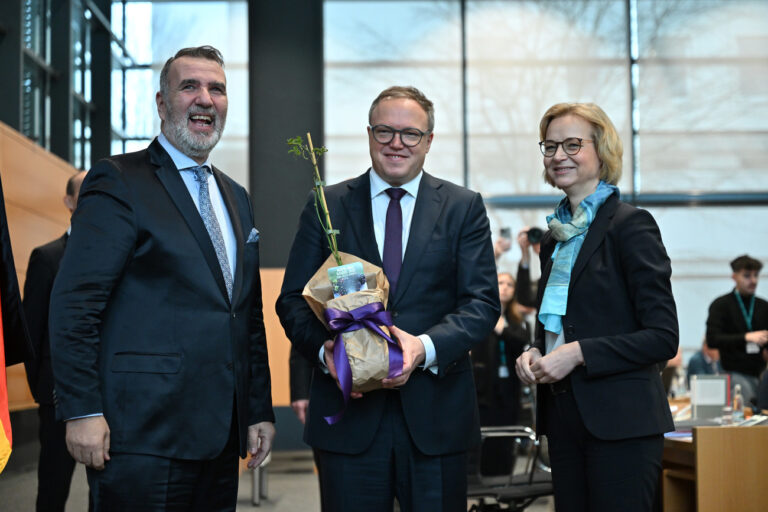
(323, 205)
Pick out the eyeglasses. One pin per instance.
(571, 146)
(408, 136)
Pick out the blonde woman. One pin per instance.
(606, 320)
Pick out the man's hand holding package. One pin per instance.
(328, 356)
(413, 355)
(88, 441)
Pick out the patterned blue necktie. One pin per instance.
(212, 225)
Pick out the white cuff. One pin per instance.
(86, 416)
(321, 355)
(430, 356)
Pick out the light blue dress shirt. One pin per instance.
(182, 161)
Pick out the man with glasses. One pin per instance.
(408, 440)
(738, 327)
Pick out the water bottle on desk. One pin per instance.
(738, 405)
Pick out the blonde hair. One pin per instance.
(606, 138)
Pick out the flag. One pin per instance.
(15, 345)
(6, 438)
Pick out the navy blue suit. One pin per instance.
(141, 325)
(447, 289)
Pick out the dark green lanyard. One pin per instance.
(747, 316)
(502, 353)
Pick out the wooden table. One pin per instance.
(717, 469)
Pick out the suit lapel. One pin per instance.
(595, 236)
(357, 203)
(426, 211)
(237, 226)
(171, 179)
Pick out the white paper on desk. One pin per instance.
(709, 391)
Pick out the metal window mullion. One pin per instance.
(634, 109)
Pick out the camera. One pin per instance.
(535, 235)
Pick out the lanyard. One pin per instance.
(747, 316)
(502, 353)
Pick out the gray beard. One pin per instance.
(194, 145)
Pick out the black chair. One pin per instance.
(528, 477)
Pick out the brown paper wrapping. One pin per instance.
(367, 352)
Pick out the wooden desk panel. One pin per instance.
(720, 469)
(731, 468)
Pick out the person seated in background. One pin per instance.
(704, 362)
(738, 326)
(672, 376)
(762, 393)
(498, 388)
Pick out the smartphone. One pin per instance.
(505, 233)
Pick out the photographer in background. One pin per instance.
(528, 238)
(502, 244)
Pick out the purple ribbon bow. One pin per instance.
(369, 316)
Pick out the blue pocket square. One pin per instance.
(253, 237)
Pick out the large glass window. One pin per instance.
(368, 47)
(37, 73)
(523, 57)
(153, 32)
(703, 116)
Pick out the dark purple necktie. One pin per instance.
(393, 238)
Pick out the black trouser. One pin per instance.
(147, 483)
(596, 475)
(393, 467)
(56, 465)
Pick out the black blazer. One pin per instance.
(621, 310)
(447, 289)
(141, 325)
(300, 372)
(41, 272)
(16, 344)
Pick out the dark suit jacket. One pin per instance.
(16, 344)
(41, 272)
(621, 310)
(141, 326)
(447, 289)
(300, 372)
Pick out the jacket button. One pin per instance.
(229, 366)
(234, 315)
(394, 314)
(570, 330)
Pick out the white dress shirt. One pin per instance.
(379, 204)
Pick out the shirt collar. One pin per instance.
(180, 160)
(378, 185)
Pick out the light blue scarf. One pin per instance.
(569, 231)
